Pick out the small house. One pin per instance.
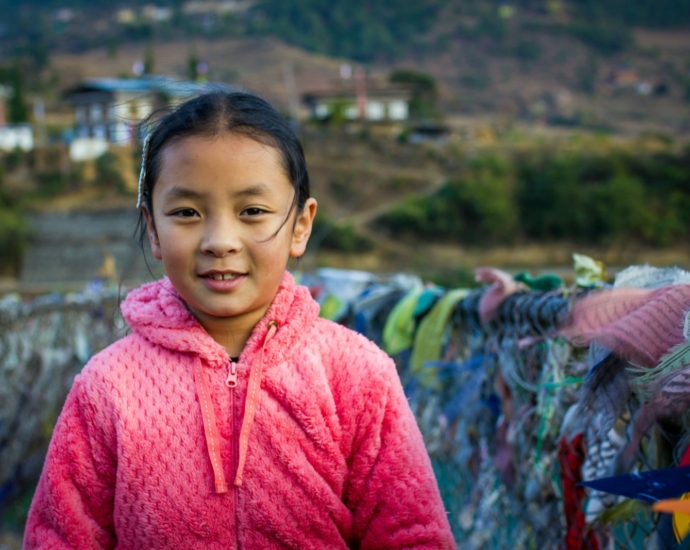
(210, 7)
(126, 16)
(373, 104)
(625, 76)
(157, 14)
(109, 109)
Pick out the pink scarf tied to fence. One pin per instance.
(638, 325)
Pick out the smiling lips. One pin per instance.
(222, 276)
(222, 281)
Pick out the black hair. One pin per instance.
(214, 114)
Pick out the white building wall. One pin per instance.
(398, 110)
(82, 149)
(375, 110)
(352, 112)
(16, 136)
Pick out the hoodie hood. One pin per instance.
(158, 313)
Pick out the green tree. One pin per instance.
(358, 29)
(149, 59)
(424, 91)
(646, 13)
(192, 65)
(37, 49)
(112, 48)
(622, 206)
(478, 206)
(17, 108)
(483, 201)
(608, 37)
(13, 234)
(108, 173)
(492, 25)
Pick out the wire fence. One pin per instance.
(500, 406)
(43, 345)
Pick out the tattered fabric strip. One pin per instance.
(637, 325)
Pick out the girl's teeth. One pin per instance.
(223, 277)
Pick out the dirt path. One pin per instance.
(361, 219)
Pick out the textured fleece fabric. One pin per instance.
(335, 458)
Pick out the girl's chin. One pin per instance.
(218, 311)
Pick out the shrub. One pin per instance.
(108, 173)
(607, 37)
(586, 197)
(51, 184)
(13, 234)
(424, 95)
(528, 50)
(337, 237)
(477, 207)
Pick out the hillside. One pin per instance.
(574, 65)
(566, 87)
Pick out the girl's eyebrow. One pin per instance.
(253, 191)
(177, 192)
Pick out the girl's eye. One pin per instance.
(252, 211)
(185, 213)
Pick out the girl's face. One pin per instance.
(224, 226)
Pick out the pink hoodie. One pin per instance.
(155, 448)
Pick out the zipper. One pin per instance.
(231, 382)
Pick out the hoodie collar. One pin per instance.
(157, 312)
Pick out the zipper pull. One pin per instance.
(231, 380)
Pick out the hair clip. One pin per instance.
(142, 172)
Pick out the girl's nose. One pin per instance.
(221, 237)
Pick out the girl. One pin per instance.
(233, 416)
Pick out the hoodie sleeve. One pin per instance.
(73, 504)
(392, 489)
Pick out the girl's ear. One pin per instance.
(151, 231)
(302, 228)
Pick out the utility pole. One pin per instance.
(291, 87)
(40, 118)
(5, 93)
(40, 127)
(361, 92)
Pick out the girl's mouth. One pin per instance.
(222, 276)
(223, 282)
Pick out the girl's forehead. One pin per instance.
(230, 162)
(228, 145)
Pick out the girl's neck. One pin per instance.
(230, 332)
